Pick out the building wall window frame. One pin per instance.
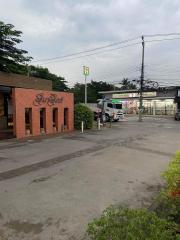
(66, 118)
(42, 119)
(28, 121)
(55, 119)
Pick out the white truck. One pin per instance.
(108, 109)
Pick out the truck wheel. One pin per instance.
(107, 118)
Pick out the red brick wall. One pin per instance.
(25, 98)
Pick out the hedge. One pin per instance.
(118, 223)
(168, 201)
(83, 113)
(172, 175)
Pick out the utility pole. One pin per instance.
(141, 83)
(85, 90)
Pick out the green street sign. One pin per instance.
(85, 70)
(116, 100)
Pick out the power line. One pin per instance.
(159, 67)
(160, 74)
(164, 71)
(86, 51)
(162, 64)
(165, 79)
(160, 40)
(108, 50)
(162, 34)
(49, 60)
(119, 76)
(63, 58)
(126, 71)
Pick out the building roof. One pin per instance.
(119, 91)
(136, 90)
(21, 81)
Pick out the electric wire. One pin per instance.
(160, 40)
(161, 34)
(87, 51)
(108, 50)
(65, 57)
(158, 73)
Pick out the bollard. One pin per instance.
(99, 124)
(82, 127)
(110, 122)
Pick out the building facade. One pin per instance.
(27, 111)
(164, 101)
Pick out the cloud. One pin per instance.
(58, 27)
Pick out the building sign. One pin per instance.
(133, 95)
(116, 101)
(85, 70)
(123, 95)
(149, 94)
(51, 100)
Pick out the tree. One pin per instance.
(11, 57)
(58, 82)
(97, 87)
(127, 84)
(93, 89)
(78, 91)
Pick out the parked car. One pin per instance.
(177, 115)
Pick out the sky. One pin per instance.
(54, 28)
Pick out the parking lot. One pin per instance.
(50, 188)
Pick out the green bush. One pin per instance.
(168, 201)
(83, 113)
(172, 174)
(168, 207)
(130, 224)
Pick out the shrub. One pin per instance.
(130, 224)
(172, 175)
(168, 201)
(83, 113)
(168, 207)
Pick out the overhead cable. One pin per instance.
(87, 51)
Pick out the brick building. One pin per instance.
(29, 107)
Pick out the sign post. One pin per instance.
(86, 73)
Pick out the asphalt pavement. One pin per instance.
(50, 188)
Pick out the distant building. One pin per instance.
(163, 101)
(29, 107)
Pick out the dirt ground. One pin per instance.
(51, 188)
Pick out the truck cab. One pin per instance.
(112, 110)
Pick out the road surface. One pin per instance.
(51, 188)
